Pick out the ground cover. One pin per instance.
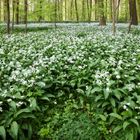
(73, 82)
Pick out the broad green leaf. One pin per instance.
(117, 128)
(26, 110)
(112, 102)
(96, 89)
(116, 116)
(13, 105)
(2, 132)
(33, 103)
(14, 130)
(102, 117)
(98, 97)
(106, 94)
(25, 116)
(105, 104)
(129, 136)
(127, 113)
(135, 121)
(117, 94)
(45, 98)
(41, 84)
(125, 124)
(80, 91)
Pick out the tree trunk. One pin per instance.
(65, 10)
(55, 8)
(83, 10)
(133, 12)
(71, 10)
(40, 11)
(25, 14)
(96, 10)
(114, 16)
(13, 13)
(110, 13)
(0, 12)
(102, 21)
(138, 3)
(17, 11)
(8, 16)
(89, 9)
(5, 10)
(76, 10)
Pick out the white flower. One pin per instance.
(124, 107)
(9, 100)
(118, 77)
(1, 109)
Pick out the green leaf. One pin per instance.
(116, 129)
(45, 98)
(106, 94)
(96, 89)
(41, 84)
(25, 116)
(117, 94)
(102, 117)
(14, 130)
(13, 105)
(135, 121)
(2, 132)
(26, 110)
(105, 104)
(125, 124)
(116, 116)
(33, 103)
(98, 97)
(112, 102)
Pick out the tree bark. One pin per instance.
(0, 11)
(8, 16)
(13, 13)
(25, 14)
(76, 10)
(114, 16)
(138, 3)
(17, 11)
(102, 21)
(83, 10)
(133, 12)
(96, 10)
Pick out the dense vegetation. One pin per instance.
(69, 70)
(69, 83)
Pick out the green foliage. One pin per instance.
(70, 83)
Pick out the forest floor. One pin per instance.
(77, 81)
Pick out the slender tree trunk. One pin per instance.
(76, 10)
(55, 17)
(25, 14)
(138, 3)
(17, 11)
(96, 10)
(71, 10)
(0, 11)
(133, 12)
(65, 10)
(8, 16)
(5, 10)
(114, 16)
(83, 10)
(13, 13)
(102, 15)
(40, 11)
(110, 13)
(89, 9)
